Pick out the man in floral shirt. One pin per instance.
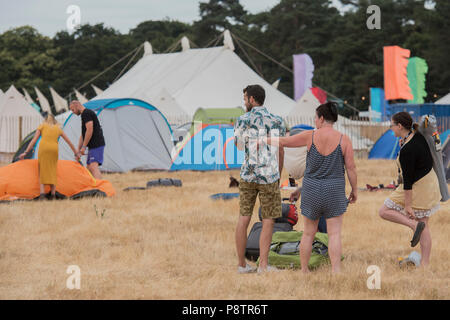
(260, 174)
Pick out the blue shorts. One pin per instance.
(95, 155)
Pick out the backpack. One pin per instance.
(288, 213)
(285, 248)
(252, 247)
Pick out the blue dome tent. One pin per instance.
(137, 135)
(386, 147)
(211, 147)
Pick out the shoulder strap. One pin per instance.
(341, 139)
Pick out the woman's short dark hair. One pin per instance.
(404, 118)
(257, 92)
(328, 110)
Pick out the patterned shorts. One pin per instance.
(269, 199)
(419, 213)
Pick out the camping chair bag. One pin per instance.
(285, 248)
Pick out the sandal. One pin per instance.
(416, 237)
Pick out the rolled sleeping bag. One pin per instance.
(428, 128)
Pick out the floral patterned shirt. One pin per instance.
(260, 164)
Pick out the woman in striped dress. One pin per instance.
(323, 192)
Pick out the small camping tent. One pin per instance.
(20, 180)
(214, 116)
(137, 135)
(210, 148)
(23, 146)
(386, 147)
(206, 116)
(62, 117)
(217, 115)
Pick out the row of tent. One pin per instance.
(60, 104)
(127, 125)
(206, 144)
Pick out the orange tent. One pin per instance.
(20, 180)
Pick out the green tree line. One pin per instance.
(348, 57)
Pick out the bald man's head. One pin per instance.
(76, 107)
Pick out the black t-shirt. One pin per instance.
(416, 160)
(97, 139)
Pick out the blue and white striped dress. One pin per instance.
(323, 190)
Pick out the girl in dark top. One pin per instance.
(418, 196)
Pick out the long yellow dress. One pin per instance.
(48, 152)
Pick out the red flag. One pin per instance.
(319, 94)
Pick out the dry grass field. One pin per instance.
(176, 243)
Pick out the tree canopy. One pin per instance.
(348, 57)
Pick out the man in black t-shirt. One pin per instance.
(91, 138)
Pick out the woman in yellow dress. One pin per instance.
(50, 131)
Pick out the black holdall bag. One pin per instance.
(252, 248)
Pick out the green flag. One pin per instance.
(417, 68)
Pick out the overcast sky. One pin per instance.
(49, 16)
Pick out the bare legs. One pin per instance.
(264, 240)
(425, 239)
(397, 217)
(95, 171)
(425, 244)
(52, 189)
(241, 238)
(334, 226)
(310, 229)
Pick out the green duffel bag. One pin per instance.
(285, 248)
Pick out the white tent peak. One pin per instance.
(185, 46)
(13, 103)
(27, 96)
(80, 97)
(43, 102)
(148, 49)
(59, 102)
(306, 105)
(227, 40)
(97, 90)
(444, 100)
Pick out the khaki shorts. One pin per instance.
(269, 199)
